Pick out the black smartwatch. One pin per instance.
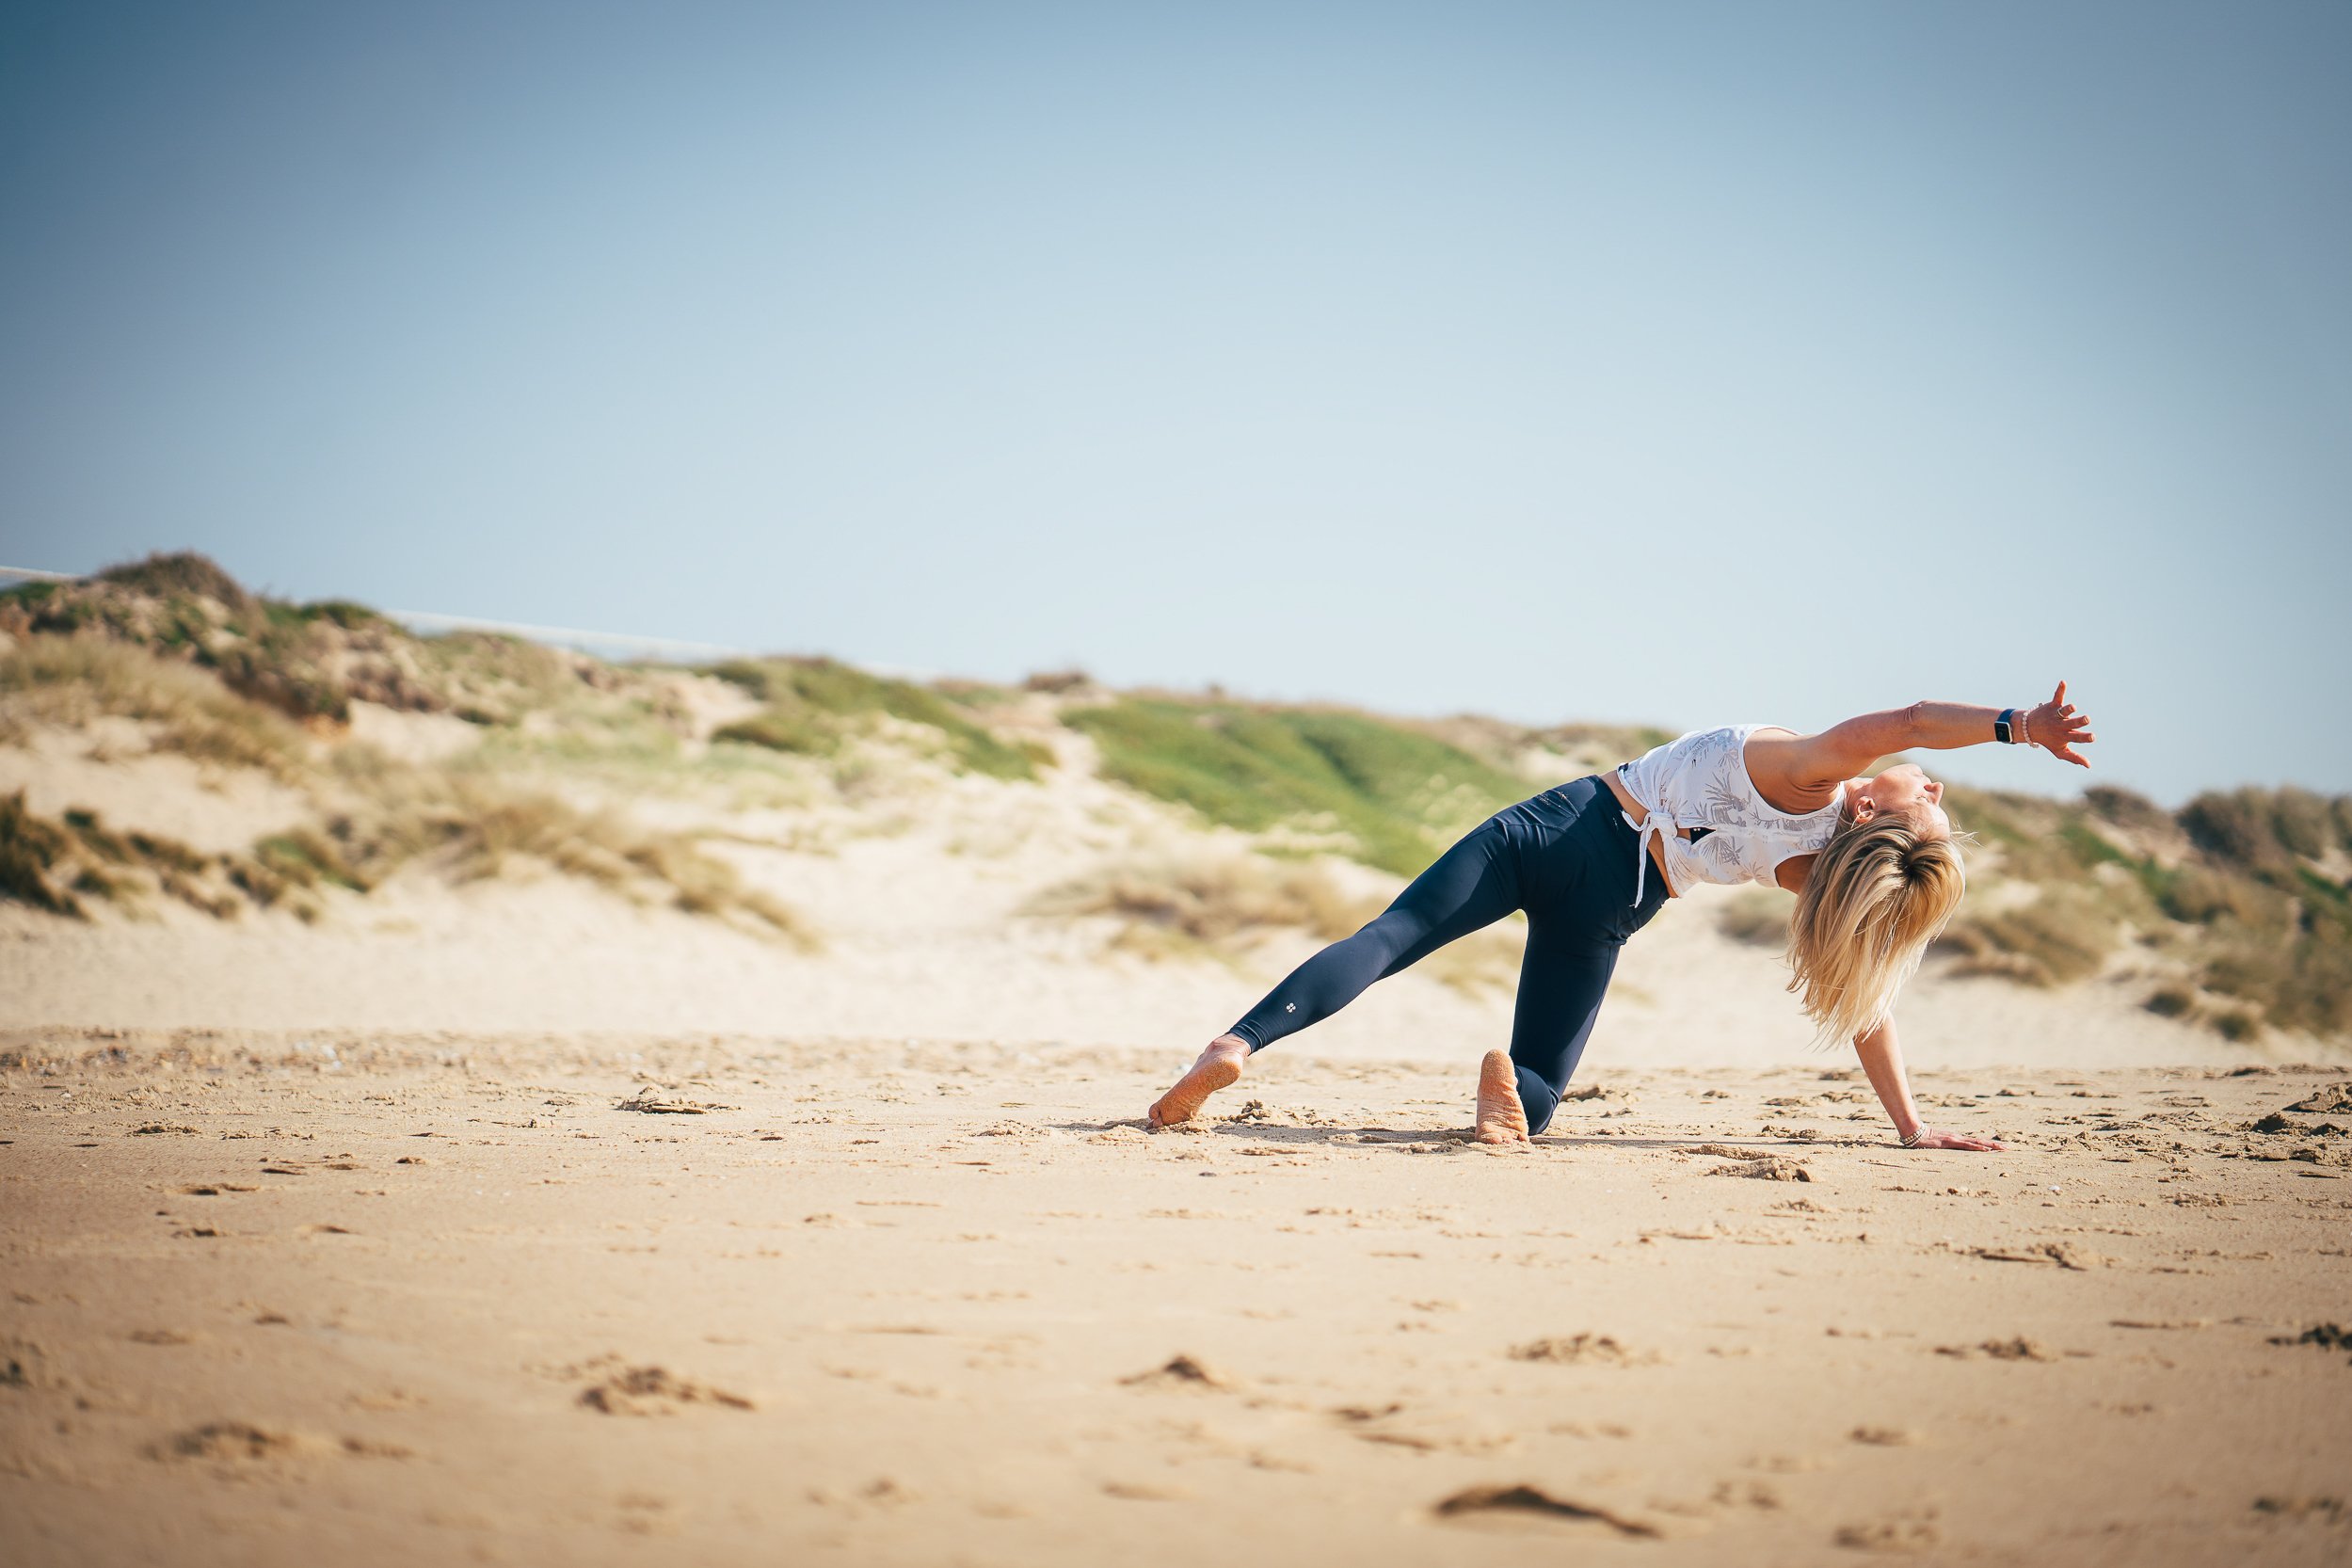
(2001, 727)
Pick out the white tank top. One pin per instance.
(1701, 780)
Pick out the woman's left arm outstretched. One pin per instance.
(1882, 1059)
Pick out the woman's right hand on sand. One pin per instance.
(1960, 1140)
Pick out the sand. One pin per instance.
(373, 1298)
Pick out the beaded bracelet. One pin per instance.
(1918, 1135)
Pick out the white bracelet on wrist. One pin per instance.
(1917, 1136)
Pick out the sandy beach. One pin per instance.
(636, 1299)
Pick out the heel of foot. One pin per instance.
(1183, 1102)
(1501, 1119)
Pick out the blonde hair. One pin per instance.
(1877, 895)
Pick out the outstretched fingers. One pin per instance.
(2059, 728)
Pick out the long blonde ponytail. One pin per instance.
(1877, 895)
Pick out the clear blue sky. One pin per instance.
(1676, 362)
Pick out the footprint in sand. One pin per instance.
(1757, 1495)
(1884, 1437)
(1583, 1349)
(227, 1444)
(643, 1514)
(1904, 1534)
(388, 1400)
(1533, 1505)
(2020, 1349)
(1770, 1167)
(624, 1390)
(1184, 1371)
(232, 1447)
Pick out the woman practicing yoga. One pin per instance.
(1872, 862)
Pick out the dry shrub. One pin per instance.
(2129, 810)
(469, 829)
(2265, 830)
(2303, 822)
(304, 661)
(2063, 936)
(1483, 961)
(2241, 1025)
(1755, 916)
(32, 851)
(2304, 984)
(463, 828)
(1216, 907)
(1210, 902)
(71, 680)
(2202, 896)
(178, 574)
(54, 865)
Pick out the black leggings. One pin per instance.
(1568, 858)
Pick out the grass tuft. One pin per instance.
(469, 829)
(814, 705)
(32, 850)
(1185, 907)
(2063, 936)
(180, 574)
(1396, 797)
(71, 680)
(54, 865)
(1218, 907)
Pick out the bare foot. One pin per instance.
(1501, 1118)
(1219, 1067)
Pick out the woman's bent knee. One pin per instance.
(1537, 1098)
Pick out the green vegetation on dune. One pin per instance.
(2243, 893)
(1398, 796)
(813, 704)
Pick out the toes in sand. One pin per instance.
(1501, 1118)
(1219, 1067)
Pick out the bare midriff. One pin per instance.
(1640, 813)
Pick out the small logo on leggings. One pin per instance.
(1289, 1007)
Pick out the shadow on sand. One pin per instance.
(1420, 1141)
